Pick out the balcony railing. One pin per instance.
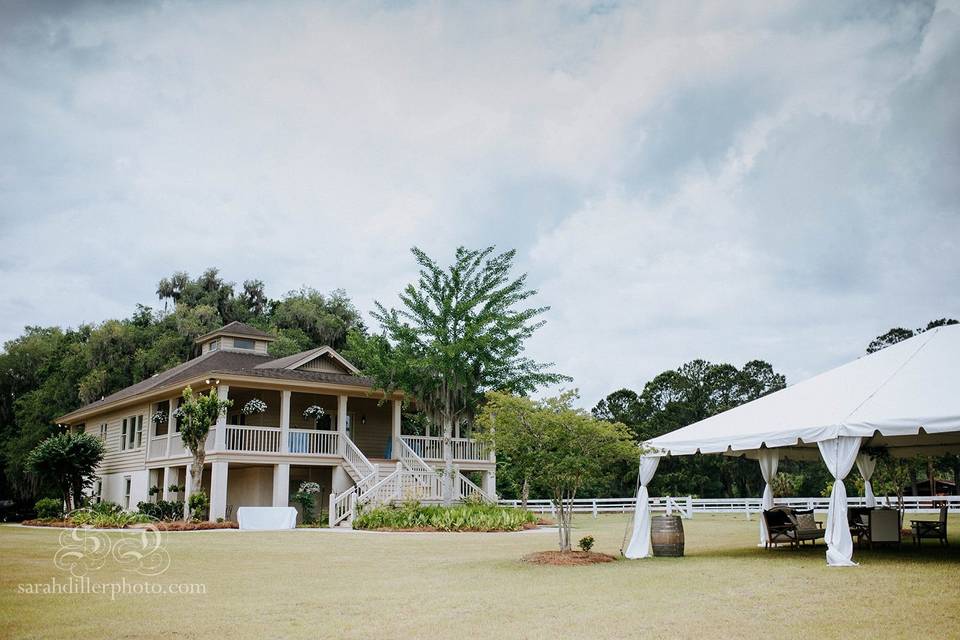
(464, 449)
(314, 442)
(252, 439)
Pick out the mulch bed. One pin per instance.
(568, 558)
(162, 526)
(527, 526)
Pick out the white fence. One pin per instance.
(686, 506)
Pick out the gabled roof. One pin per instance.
(297, 360)
(237, 328)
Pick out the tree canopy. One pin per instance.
(457, 334)
(556, 447)
(69, 462)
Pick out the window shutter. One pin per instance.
(123, 436)
(139, 431)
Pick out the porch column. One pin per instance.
(489, 483)
(342, 422)
(395, 425)
(220, 436)
(187, 490)
(167, 481)
(218, 490)
(171, 422)
(281, 484)
(284, 427)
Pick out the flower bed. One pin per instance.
(162, 526)
(416, 517)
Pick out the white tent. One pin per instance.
(905, 398)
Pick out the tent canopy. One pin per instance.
(905, 398)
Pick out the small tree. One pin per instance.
(199, 412)
(561, 447)
(69, 461)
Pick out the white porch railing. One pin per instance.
(311, 441)
(365, 472)
(464, 449)
(252, 439)
(467, 490)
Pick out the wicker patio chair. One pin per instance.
(934, 529)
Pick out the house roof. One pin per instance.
(237, 328)
(227, 363)
(299, 359)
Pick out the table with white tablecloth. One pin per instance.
(266, 518)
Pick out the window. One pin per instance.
(242, 343)
(103, 432)
(131, 433)
(214, 345)
(126, 492)
(98, 491)
(81, 428)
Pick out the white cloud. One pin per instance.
(681, 180)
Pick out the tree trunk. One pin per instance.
(447, 461)
(196, 478)
(525, 493)
(931, 474)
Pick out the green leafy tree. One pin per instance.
(199, 413)
(561, 448)
(68, 461)
(457, 334)
(677, 398)
(899, 334)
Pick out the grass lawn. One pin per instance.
(326, 584)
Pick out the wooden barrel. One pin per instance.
(666, 536)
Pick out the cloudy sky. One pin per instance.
(776, 180)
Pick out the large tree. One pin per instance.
(69, 462)
(458, 333)
(560, 448)
(682, 396)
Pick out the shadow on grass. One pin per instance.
(928, 553)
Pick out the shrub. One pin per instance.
(199, 505)
(107, 519)
(306, 497)
(464, 517)
(586, 543)
(107, 507)
(162, 509)
(49, 508)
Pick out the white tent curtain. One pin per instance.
(639, 545)
(866, 464)
(839, 455)
(769, 460)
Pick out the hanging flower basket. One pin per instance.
(160, 417)
(254, 406)
(314, 412)
(178, 413)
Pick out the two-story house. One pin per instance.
(355, 448)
